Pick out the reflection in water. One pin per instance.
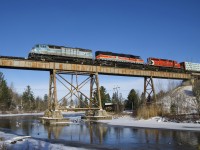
(53, 131)
(102, 134)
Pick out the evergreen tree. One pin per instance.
(28, 99)
(196, 92)
(64, 102)
(86, 101)
(82, 105)
(105, 97)
(5, 94)
(45, 98)
(38, 104)
(45, 102)
(133, 100)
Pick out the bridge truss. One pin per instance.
(73, 91)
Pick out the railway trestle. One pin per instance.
(73, 91)
(149, 90)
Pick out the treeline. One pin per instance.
(118, 103)
(26, 102)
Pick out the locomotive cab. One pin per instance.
(39, 48)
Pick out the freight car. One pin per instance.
(60, 54)
(189, 66)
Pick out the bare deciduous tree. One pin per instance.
(196, 92)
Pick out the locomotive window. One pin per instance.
(57, 47)
(51, 46)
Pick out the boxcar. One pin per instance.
(189, 66)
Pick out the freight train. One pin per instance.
(84, 56)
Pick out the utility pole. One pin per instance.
(116, 91)
(116, 96)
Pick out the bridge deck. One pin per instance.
(46, 66)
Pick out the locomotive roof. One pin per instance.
(117, 54)
(59, 47)
(153, 58)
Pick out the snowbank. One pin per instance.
(36, 114)
(30, 143)
(155, 123)
(183, 98)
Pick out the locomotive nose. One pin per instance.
(151, 62)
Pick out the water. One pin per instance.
(100, 135)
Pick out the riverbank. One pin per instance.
(153, 123)
(11, 140)
(8, 142)
(8, 136)
(35, 114)
(127, 121)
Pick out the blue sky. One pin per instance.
(167, 29)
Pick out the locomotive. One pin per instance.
(118, 60)
(84, 56)
(60, 53)
(109, 56)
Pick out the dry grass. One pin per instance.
(148, 111)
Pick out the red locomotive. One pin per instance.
(163, 63)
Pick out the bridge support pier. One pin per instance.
(53, 111)
(149, 90)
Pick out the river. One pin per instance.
(86, 134)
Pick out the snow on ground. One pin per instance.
(21, 114)
(183, 98)
(125, 121)
(35, 114)
(155, 123)
(30, 143)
